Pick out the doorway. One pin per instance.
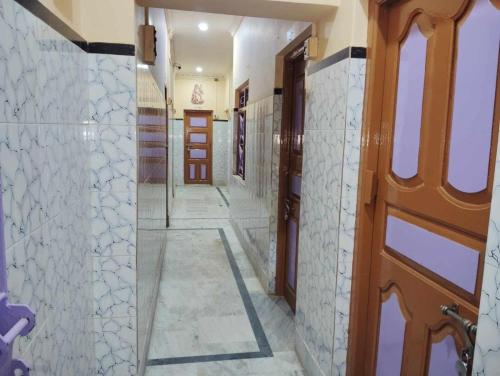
(291, 173)
(427, 174)
(198, 147)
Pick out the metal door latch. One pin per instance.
(467, 331)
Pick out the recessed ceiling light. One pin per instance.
(199, 69)
(203, 26)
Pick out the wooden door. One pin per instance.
(198, 147)
(439, 124)
(291, 172)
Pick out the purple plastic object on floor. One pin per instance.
(15, 320)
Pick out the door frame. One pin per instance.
(210, 115)
(283, 80)
(367, 183)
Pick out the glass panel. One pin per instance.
(447, 258)
(443, 358)
(203, 172)
(198, 153)
(474, 99)
(198, 138)
(391, 338)
(198, 122)
(192, 173)
(296, 184)
(409, 104)
(291, 253)
(152, 152)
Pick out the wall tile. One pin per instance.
(114, 286)
(113, 158)
(114, 225)
(116, 346)
(112, 89)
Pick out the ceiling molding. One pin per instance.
(296, 10)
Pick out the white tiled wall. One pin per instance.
(44, 167)
(113, 185)
(334, 98)
(253, 201)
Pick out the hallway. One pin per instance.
(212, 315)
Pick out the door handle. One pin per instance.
(287, 208)
(467, 331)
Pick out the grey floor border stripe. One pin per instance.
(265, 350)
(223, 197)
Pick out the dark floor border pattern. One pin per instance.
(223, 196)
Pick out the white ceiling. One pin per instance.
(211, 49)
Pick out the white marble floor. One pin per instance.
(211, 304)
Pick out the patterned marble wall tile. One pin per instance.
(318, 242)
(347, 229)
(114, 225)
(113, 158)
(115, 286)
(44, 167)
(112, 89)
(18, 70)
(252, 199)
(20, 173)
(487, 352)
(116, 346)
(326, 97)
(220, 157)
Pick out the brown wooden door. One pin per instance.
(294, 102)
(198, 147)
(438, 140)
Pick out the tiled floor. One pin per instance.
(211, 305)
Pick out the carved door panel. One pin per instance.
(438, 142)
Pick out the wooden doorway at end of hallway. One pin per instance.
(198, 126)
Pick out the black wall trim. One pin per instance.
(278, 91)
(39, 10)
(352, 52)
(111, 49)
(43, 13)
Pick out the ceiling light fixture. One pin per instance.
(203, 26)
(199, 69)
(142, 66)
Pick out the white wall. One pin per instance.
(215, 95)
(256, 44)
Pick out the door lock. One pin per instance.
(287, 208)
(467, 331)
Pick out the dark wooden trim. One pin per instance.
(111, 48)
(358, 318)
(285, 141)
(46, 15)
(348, 52)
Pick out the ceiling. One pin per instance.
(212, 49)
(297, 10)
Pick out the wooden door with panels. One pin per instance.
(198, 147)
(438, 96)
(291, 169)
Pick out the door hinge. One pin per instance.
(370, 187)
